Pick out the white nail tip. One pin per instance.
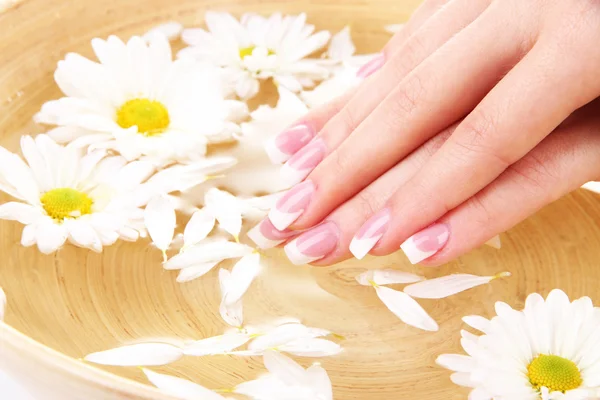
(415, 255)
(275, 155)
(260, 240)
(296, 257)
(291, 176)
(495, 242)
(361, 247)
(281, 220)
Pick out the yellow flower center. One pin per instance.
(556, 373)
(150, 116)
(247, 51)
(64, 203)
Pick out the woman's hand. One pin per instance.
(496, 78)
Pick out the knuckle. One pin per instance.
(410, 56)
(368, 203)
(480, 213)
(409, 96)
(346, 118)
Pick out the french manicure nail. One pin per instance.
(370, 233)
(303, 162)
(426, 243)
(287, 143)
(291, 205)
(371, 67)
(266, 236)
(314, 244)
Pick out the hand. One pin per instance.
(503, 75)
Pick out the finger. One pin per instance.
(409, 55)
(529, 103)
(351, 215)
(560, 164)
(443, 86)
(329, 242)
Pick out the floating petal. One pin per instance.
(198, 227)
(445, 286)
(141, 354)
(406, 308)
(387, 277)
(159, 218)
(180, 388)
(196, 271)
(207, 252)
(216, 345)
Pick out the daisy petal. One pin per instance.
(146, 354)
(457, 362)
(199, 226)
(287, 370)
(283, 334)
(171, 30)
(24, 213)
(231, 312)
(406, 308)
(226, 209)
(477, 322)
(242, 275)
(311, 347)
(50, 236)
(216, 345)
(196, 271)
(387, 277)
(159, 218)
(341, 46)
(207, 252)
(180, 388)
(440, 288)
(320, 381)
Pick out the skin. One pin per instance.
(480, 104)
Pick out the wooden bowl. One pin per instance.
(64, 306)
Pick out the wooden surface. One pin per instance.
(76, 302)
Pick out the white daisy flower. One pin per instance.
(139, 102)
(87, 199)
(548, 351)
(344, 64)
(256, 48)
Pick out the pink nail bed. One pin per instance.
(291, 205)
(426, 243)
(266, 236)
(288, 142)
(303, 162)
(371, 67)
(314, 244)
(370, 233)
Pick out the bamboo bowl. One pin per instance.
(64, 306)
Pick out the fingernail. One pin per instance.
(370, 233)
(426, 243)
(291, 205)
(303, 162)
(287, 143)
(266, 236)
(314, 244)
(372, 66)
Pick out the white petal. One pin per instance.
(160, 220)
(462, 379)
(477, 322)
(311, 348)
(285, 333)
(284, 368)
(216, 345)
(170, 30)
(141, 354)
(196, 271)
(592, 186)
(320, 382)
(448, 285)
(207, 252)
(242, 276)
(50, 236)
(267, 387)
(180, 388)
(2, 304)
(406, 308)
(199, 226)
(24, 213)
(457, 362)
(232, 314)
(226, 209)
(341, 46)
(393, 28)
(387, 277)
